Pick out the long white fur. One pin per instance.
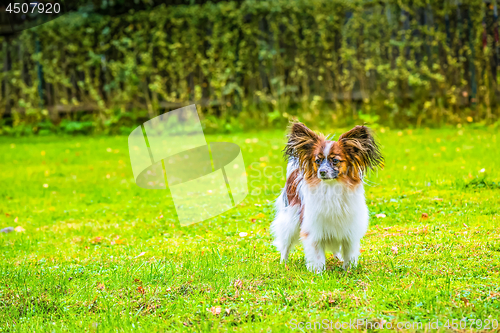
(335, 218)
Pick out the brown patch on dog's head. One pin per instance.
(360, 151)
(303, 144)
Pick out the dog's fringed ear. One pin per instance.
(301, 141)
(361, 149)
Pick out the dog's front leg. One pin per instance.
(314, 252)
(350, 252)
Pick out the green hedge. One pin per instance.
(257, 63)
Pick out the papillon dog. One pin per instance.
(323, 201)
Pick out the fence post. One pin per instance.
(6, 68)
(472, 66)
(495, 33)
(39, 72)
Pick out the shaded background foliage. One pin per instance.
(254, 63)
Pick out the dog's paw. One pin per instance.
(316, 268)
(284, 258)
(351, 263)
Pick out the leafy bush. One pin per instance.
(261, 63)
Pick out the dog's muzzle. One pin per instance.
(328, 174)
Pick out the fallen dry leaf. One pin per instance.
(438, 199)
(394, 249)
(238, 283)
(77, 239)
(243, 234)
(96, 240)
(19, 229)
(330, 298)
(141, 290)
(493, 295)
(228, 311)
(215, 310)
(421, 231)
(425, 215)
(141, 254)
(392, 234)
(381, 216)
(101, 286)
(117, 241)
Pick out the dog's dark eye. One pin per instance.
(318, 161)
(335, 161)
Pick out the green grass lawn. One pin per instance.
(98, 253)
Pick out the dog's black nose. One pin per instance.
(322, 173)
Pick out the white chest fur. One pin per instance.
(334, 211)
